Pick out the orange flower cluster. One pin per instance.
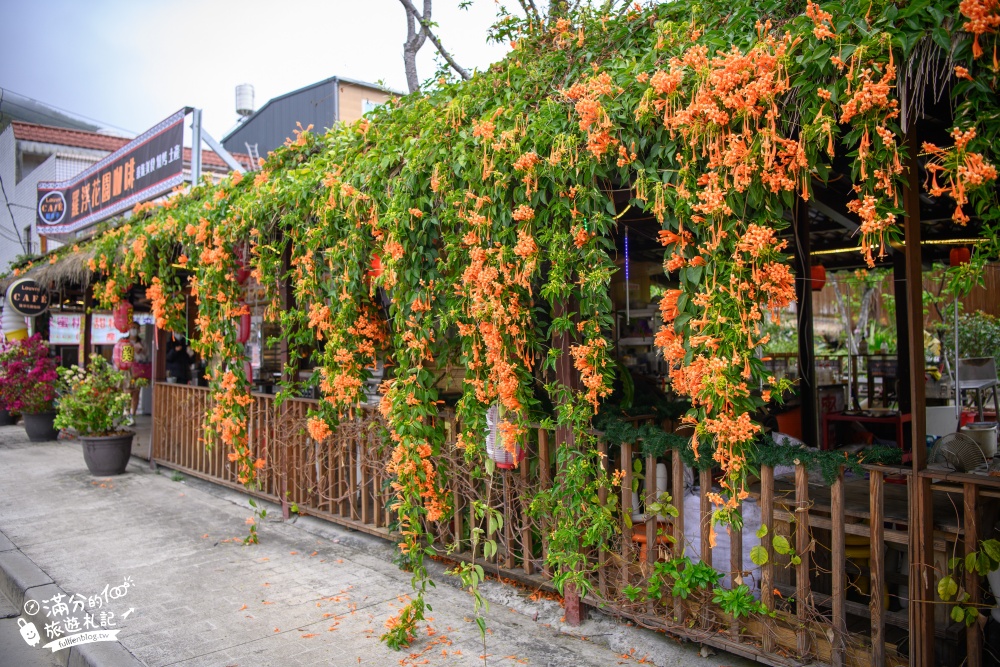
(962, 169)
(594, 119)
(591, 360)
(983, 17)
(822, 20)
(318, 429)
(158, 302)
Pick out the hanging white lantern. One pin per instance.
(495, 448)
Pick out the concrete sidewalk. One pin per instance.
(310, 594)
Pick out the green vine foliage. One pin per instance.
(471, 223)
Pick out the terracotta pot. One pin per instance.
(39, 426)
(107, 455)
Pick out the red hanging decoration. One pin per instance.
(376, 269)
(960, 255)
(124, 355)
(241, 253)
(122, 316)
(243, 330)
(818, 277)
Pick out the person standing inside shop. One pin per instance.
(179, 360)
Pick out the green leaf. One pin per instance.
(758, 555)
(947, 588)
(781, 545)
(992, 549)
(958, 614)
(762, 531)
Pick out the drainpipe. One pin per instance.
(336, 100)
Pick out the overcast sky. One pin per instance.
(131, 63)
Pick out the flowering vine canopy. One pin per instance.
(485, 208)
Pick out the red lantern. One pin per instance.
(124, 355)
(248, 371)
(241, 254)
(376, 269)
(960, 255)
(243, 329)
(122, 316)
(818, 277)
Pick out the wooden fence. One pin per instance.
(836, 599)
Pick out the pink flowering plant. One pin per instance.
(27, 376)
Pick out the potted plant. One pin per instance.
(94, 403)
(28, 385)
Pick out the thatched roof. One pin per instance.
(66, 271)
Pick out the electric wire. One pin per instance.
(6, 199)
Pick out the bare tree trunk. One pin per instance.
(425, 29)
(414, 40)
(866, 308)
(852, 346)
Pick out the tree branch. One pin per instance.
(425, 23)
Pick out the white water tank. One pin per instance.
(244, 99)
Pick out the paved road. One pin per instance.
(310, 594)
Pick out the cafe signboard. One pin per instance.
(26, 297)
(145, 168)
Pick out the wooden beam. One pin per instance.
(921, 504)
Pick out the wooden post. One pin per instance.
(921, 504)
(627, 510)
(767, 571)
(527, 551)
(87, 324)
(803, 596)
(838, 566)
(736, 569)
(287, 297)
(677, 489)
(651, 518)
(973, 636)
(602, 498)
(567, 376)
(544, 483)
(876, 563)
(803, 295)
(705, 480)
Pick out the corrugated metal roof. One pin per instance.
(269, 126)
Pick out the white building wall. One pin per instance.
(10, 247)
(24, 196)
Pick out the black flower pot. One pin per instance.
(5, 418)
(39, 426)
(107, 455)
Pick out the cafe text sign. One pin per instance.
(148, 166)
(28, 298)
